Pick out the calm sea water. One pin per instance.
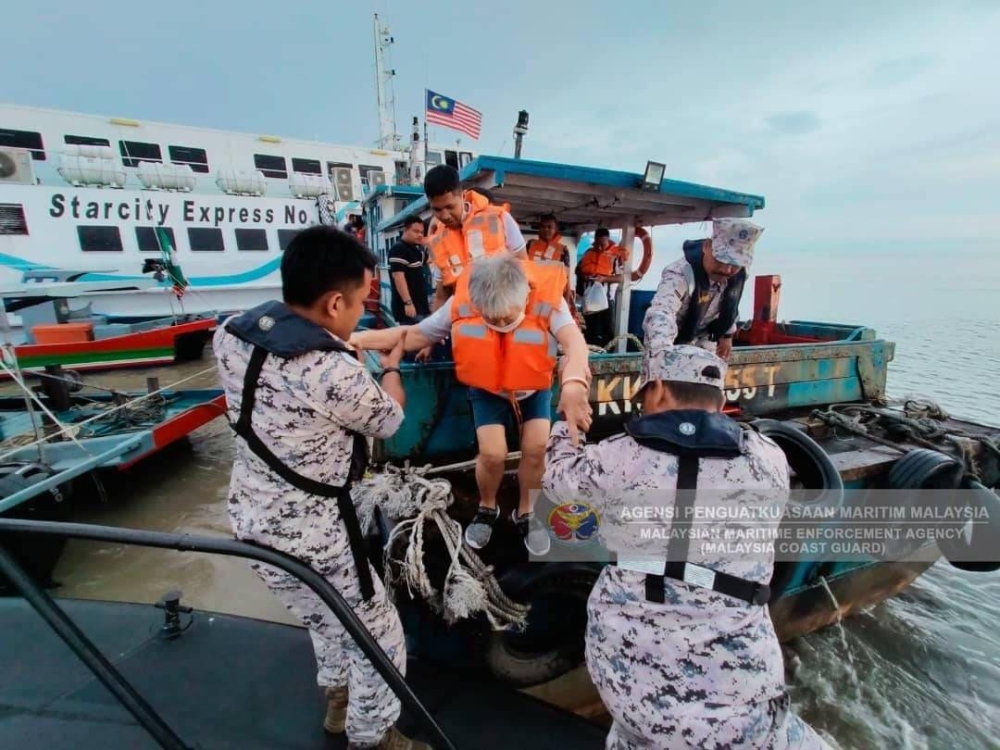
(921, 670)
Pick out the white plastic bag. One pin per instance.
(595, 299)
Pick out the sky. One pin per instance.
(869, 127)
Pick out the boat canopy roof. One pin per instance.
(404, 191)
(19, 296)
(584, 198)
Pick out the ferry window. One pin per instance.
(23, 139)
(12, 219)
(100, 239)
(332, 165)
(451, 159)
(149, 240)
(306, 166)
(271, 166)
(85, 140)
(433, 158)
(196, 158)
(206, 240)
(251, 239)
(134, 152)
(285, 236)
(464, 157)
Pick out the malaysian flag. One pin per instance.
(453, 114)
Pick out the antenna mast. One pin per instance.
(388, 139)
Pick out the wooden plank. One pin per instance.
(862, 463)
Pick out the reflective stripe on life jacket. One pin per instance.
(598, 263)
(729, 308)
(481, 234)
(521, 360)
(552, 250)
(274, 330)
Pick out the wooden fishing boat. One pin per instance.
(801, 374)
(55, 335)
(65, 431)
(43, 452)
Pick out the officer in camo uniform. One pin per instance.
(679, 642)
(698, 299)
(301, 404)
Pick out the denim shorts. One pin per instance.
(488, 408)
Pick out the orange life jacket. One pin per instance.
(597, 263)
(481, 235)
(523, 359)
(551, 251)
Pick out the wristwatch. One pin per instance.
(387, 370)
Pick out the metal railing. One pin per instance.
(92, 657)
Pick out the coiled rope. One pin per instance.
(406, 496)
(920, 422)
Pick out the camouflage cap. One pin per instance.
(682, 364)
(733, 241)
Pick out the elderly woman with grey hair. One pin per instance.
(505, 319)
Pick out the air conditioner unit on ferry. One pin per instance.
(343, 181)
(15, 166)
(375, 179)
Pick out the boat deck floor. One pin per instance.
(229, 682)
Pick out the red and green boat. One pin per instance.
(55, 336)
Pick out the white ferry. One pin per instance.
(84, 194)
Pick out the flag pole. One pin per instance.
(426, 95)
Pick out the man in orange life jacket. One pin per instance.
(549, 248)
(698, 299)
(466, 227)
(601, 264)
(505, 319)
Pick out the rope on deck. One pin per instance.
(405, 495)
(919, 422)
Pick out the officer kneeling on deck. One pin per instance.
(684, 655)
(698, 299)
(301, 404)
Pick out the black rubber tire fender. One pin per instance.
(923, 468)
(812, 466)
(521, 668)
(985, 534)
(920, 470)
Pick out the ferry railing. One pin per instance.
(130, 699)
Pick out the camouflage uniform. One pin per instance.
(673, 296)
(304, 409)
(702, 669)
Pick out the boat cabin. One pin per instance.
(774, 366)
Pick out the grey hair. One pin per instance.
(497, 284)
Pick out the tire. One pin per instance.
(923, 469)
(985, 535)
(813, 467)
(811, 464)
(920, 471)
(554, 646)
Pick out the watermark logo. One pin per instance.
(574, 523)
